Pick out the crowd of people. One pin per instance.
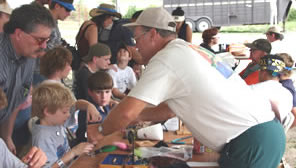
(243, 116)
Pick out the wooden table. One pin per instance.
(94, 161)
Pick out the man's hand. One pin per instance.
(93, 135)
(35, 158)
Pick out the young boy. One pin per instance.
(271, 66)
(287, 82)
(100, 86)
(51, 103)
(123, 75)
(55, 65)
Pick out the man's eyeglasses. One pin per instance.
(39, 40)
(138, 36)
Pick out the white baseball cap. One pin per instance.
(5, 8)
(157, 18)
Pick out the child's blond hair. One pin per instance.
(52, 96)
(289, 62)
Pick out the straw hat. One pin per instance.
(104, 9)
(5, 8)
(275, 29)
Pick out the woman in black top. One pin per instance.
(183, 29)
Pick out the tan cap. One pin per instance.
(157, 18)
(5, 8)
(97, 50)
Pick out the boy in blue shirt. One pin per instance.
(100, 86)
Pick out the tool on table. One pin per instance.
(107, 148)
(131, 136)
(179, 140)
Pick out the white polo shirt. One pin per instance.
(214, 109)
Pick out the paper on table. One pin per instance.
(153, 132)
(172, 124)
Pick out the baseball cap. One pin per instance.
(157, 18)
(97, 50)
(5, 8)
(272, 63)
(260, 44)
(67, 5)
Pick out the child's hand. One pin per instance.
(35, 158)
(84, 147)
(92, 114)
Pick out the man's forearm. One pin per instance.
(125, 112)
(8, 125)
(159, 113)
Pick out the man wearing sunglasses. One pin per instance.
(24, 39)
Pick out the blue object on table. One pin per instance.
(179, 140)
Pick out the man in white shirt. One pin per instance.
(215, 104)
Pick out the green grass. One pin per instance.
(290, 26)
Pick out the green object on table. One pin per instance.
(107, 148)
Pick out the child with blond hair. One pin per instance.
(51, 103)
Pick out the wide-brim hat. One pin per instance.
(104, 9)
(275, 29)
(5, 8)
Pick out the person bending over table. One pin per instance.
(215, 104)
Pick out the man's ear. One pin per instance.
(18, 33)
(153, 33)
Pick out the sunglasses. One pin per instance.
(39, 40)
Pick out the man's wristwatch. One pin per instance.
(61, 163)
(100, 128)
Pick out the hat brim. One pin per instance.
(97, 12)
(179, 18)
(250, 45)
(66, 5)
(5, 8)
(69, 7)
(86, 58)
(132, 24)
